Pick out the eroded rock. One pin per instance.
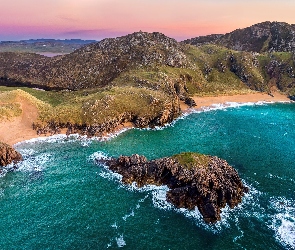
(8, 155)
(194, 180)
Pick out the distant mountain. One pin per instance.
(65, 41)
(44, 45)
(261, 37)
(97, 64)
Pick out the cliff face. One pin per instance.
(194, 180)
(8, 155)
(261, 37)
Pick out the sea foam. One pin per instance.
(283, 221)
(250, 205)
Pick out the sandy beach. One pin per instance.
(20, 128)
(203, 102)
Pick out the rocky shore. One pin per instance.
(194, 180)
(8, 155)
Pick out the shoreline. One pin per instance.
(20, 129)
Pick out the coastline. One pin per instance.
(20, 129)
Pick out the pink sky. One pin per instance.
(98, 19)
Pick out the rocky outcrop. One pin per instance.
(261, 37)
(8, 155)
(170, 111)
(194, 180)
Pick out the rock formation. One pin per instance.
(261, 37)
(8, 155)
(194, 180)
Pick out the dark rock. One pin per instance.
(8, 155)
(194, 180)
(190, 102)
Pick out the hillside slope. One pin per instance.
(140, 78)
(261, 37)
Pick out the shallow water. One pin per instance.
(59, 199)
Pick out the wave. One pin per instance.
(283, 221)
(250, 205)
(62, 138)
(86, 141)
(32, 162)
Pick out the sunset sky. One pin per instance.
(98, 19)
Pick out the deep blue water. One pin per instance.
(59, 199)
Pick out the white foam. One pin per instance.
(287, 232)
(99, 155)
(53, 138)
(226, 105)
(30, 162)
(34, 163)
(283, 221)
(126, 216)
(115, 225)
(62, 138)
(120, 241)
(159, 198)
(106, 173)
(213, 107)
(248, 207)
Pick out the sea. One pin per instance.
(59, 198)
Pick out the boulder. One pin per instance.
(8, 155)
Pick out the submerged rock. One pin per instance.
(8, 155)
(194, 180)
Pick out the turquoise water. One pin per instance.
(59, 198)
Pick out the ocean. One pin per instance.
(59, 198)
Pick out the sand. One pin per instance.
(203, 102)
(20, 128)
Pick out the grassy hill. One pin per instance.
(139, 78)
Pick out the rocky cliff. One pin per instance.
(194, 180)
(261, 37)
(8, 155)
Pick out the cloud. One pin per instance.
(96, 34)
(68, 19)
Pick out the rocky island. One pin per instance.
(194, 180)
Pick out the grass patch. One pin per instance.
(8, 111)
(191, 160)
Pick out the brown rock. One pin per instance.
(194, 180)
(8, 154)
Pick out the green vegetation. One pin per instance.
(191, 160)
(139, 78)
(91, 107)
(9, 110)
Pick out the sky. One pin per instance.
(98, 19)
